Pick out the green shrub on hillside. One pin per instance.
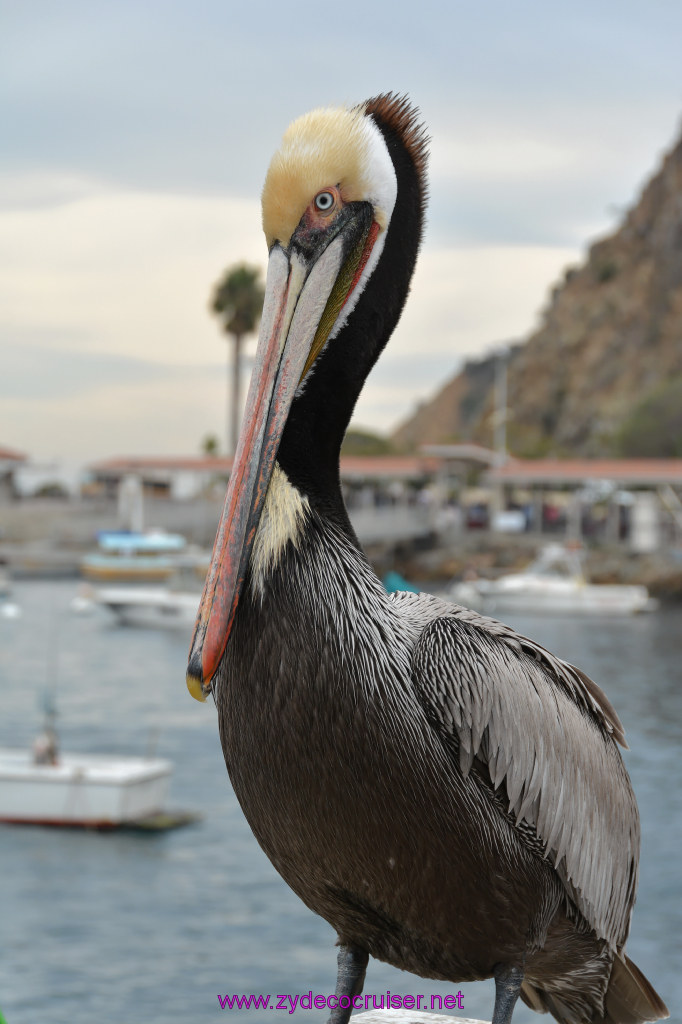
(654, 427)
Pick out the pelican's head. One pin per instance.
(345, 189)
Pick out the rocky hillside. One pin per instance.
(608, 350)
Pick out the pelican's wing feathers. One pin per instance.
(547, 735)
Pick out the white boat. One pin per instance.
(553, 584)
(169, 606)
(87, 790)
(150, 607)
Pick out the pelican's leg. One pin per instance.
(352, 963)
(507, 987)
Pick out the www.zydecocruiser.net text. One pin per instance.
(370, 1001)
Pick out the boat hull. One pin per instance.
(554, 584)
(100, 569)
(81, 790)
(550, 597)
(150, 607)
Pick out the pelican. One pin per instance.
(446, 793)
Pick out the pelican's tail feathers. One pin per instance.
(629, 999)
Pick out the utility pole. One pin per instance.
(500, 428)
(500, 414)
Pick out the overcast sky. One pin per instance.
(135, 136)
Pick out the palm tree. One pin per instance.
(237, 301)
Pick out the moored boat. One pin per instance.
(86, 790)
(170, 605)
(553, 584)
(129, 556)
(150, 607)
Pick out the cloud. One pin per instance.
(125, 272)
(39, 188)
(196, 98)
(168, 413)
(104, 318)
(135, 146)
(498, 155)
(466, 298)
(37, 372)
(463, 301)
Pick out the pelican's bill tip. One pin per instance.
(196, 688)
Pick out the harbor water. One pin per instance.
(135, 928)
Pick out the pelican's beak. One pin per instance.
(306, 287)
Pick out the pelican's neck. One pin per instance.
(287, 516)
(310, 446)
(319, 590)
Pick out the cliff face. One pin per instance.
(611, 335)
(455, 413)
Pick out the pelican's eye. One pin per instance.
(324, 201)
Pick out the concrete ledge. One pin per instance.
(410, 1017)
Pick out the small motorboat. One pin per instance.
(45, 786)
(150, 607)
(173, 605)
(86, 790)
(553, 584)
